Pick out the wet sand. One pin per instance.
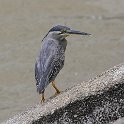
(23, 24)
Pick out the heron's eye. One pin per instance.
(63, 31)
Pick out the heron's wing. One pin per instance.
(48, 65)
(54, 69)
(54, 61)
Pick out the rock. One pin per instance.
(98, 101)
(119, 121)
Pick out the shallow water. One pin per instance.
(23, 24)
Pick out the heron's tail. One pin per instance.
(39, 89)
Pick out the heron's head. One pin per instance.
(62, 32)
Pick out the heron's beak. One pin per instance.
(76, 32)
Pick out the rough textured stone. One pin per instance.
(119, 121)
(98, 101)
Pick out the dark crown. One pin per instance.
(59, 28)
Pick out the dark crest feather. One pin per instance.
(59, 28)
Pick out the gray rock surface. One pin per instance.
(119, 121)
(98, 101)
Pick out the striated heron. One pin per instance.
(51, 57)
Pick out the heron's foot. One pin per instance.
(42, 99)
(57, 92)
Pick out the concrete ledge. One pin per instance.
(98, 101)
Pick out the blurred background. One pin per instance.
(23, 24)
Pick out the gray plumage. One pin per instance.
(52, 55)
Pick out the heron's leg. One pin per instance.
(42, 97)
(57, 90)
